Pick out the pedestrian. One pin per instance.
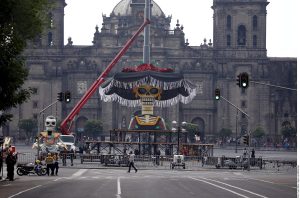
(49, 161)
(252, 157)
(72, 156)
(1, 164)
(56, 167)
(204, 159)
(157, 156)
(64, 156)
(10, 163)
(253, 153)
(245, 153)
(131, 162)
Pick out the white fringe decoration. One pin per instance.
(153, 82)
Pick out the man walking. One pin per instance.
(131, 162)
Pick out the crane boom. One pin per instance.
(64, 125)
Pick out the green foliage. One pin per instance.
(29, 126)
(289, 132)
(20, 21)
(258, 132)
(224, 133)
(93, 128)
(191, 129)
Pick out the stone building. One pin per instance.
(239, 45)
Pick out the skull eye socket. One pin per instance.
(53, 123)
(153, 91)
(142, 91)
(47, 123)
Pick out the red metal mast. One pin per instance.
(64, 125)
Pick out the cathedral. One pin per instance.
(238, 45)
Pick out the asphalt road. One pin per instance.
(109, 183)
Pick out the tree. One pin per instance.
(191, 129)
(20, 21)
(258, 133)
(288, 132)
(224, 133)
(29, 126)
(93, 128)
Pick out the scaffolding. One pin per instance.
(148, 142)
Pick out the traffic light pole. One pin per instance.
(238, 109)
(235, 106)
(281, 87)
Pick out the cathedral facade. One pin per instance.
(239, 45)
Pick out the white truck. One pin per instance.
(69, 143)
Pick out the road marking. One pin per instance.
(220, 187)
(58, 179)
(6, 185)
(24, 191)
(79, 172)
(261, 180)
(237, 188)
(119, 188)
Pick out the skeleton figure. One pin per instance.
(147, 121)
(49, 138)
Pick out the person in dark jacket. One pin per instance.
(1, 162)
(10, 163)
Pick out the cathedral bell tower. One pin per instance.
(240, 24)
(53, 36)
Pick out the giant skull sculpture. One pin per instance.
(50, 123)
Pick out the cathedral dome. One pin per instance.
(123, 8)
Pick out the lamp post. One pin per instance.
(179, 130)
(236, 128)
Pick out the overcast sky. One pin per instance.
(81, 17)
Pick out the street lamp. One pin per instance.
(179, 130)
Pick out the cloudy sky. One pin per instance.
(81, 17)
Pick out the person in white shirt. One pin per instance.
(131, 161)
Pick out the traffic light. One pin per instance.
(238, 80)
(60, 96)
(244, 80)
(246, 139)
(217, 94)
(67, 96)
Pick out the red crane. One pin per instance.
(67, 122)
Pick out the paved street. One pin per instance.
(73, 183)
(161, 183)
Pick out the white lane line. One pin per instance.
(24, 191)
(119, 188)
(237, 188)
(261, 180)
(79, 172)
(220, 187)
(58, 179)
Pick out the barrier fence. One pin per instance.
(165, 162)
